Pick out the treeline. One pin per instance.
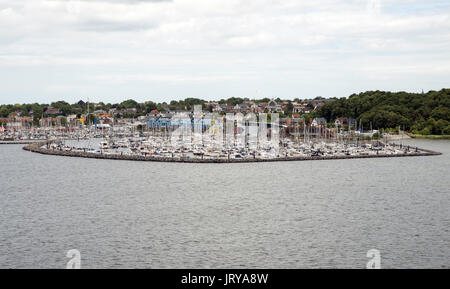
(81, 107)
(421, 113)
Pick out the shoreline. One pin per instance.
(431, 137)
(37, 148)
(20, 142)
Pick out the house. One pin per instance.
(154, 112)
(71, 117)
(99, 112)
(299, 108)
(243, 107)
(344, 121)
(166, 114)
(48, 121)
(213, 105)
(24, 119)
(5, 120)
(131, 110)
(257, 108)
(105, 119)
(273, 106)
(294, 121)
(216, 107)
(15, 125)
(317, 102)
(319, 121)
(351, 122)
(52, 111)
(341, 121)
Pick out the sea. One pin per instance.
(307, 214)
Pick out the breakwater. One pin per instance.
(17, 142)
(38, 148)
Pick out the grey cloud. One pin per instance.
(109, 25)
(124, 1)
(288, 47)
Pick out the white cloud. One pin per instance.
(211, 41)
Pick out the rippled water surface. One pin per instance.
(123, 214)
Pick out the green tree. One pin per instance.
(63, 121)
(4, 111)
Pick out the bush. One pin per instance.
(426, 131)
(446, 130)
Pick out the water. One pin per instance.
(316, 214)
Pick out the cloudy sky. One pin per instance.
(161, 50)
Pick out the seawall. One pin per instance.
(37, 148)
(17, 142)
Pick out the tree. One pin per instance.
(413, 111)
(149, 106)
(130, 103)
(63, 121)
(289, 108)
(4, 111)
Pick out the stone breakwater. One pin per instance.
(37, 148)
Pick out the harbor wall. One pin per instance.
(37, 148)
(16, 142)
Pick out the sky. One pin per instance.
(162, 50)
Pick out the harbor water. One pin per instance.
(313, 214)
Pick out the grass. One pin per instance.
(431, 136)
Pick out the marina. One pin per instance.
(215, 141)
(235, 142)
(390, 151)
(157, 149)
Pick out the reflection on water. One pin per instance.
(122, 214)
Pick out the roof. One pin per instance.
(272, 103)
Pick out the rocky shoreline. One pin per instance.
(37, 148)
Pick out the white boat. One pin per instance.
(104, 145)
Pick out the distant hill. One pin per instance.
(421, 113)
